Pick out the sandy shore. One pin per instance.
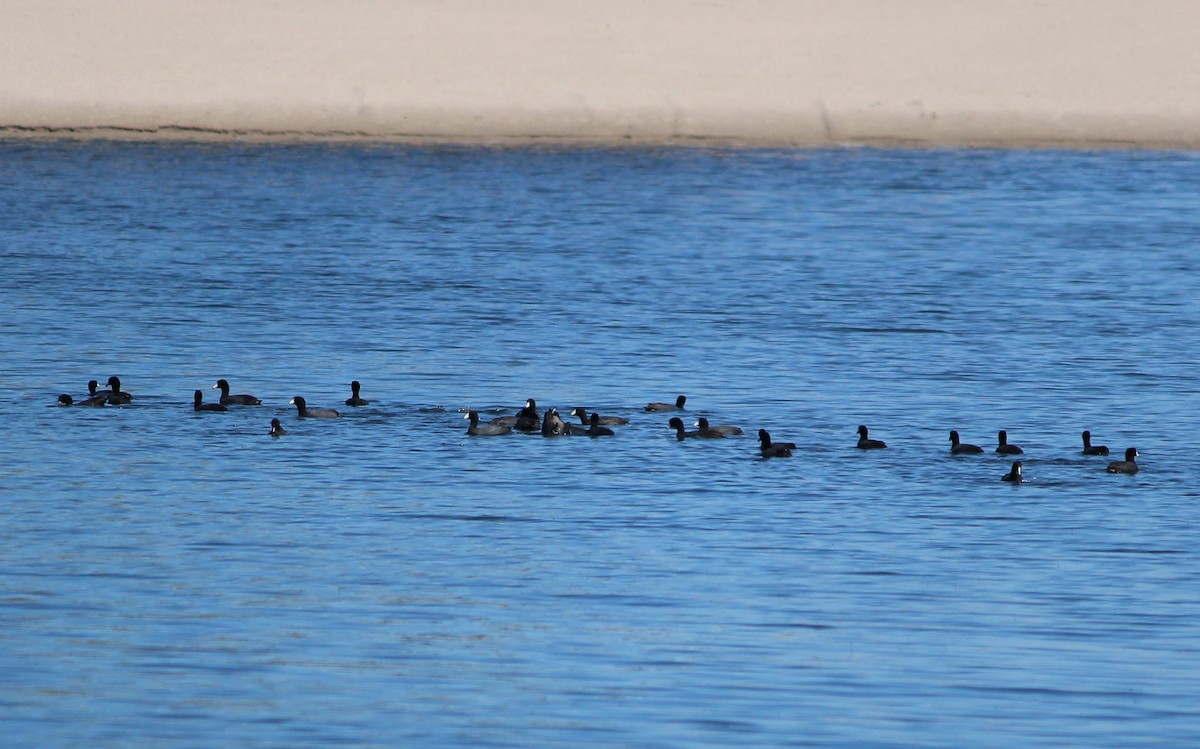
(759, 72)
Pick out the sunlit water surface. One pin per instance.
(175, 579)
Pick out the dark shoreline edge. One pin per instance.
(185, 134)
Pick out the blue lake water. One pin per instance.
(176, 579)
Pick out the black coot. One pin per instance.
(1090, 449)
(725, 430)
(769, 449)
(553, 425)
(585, 418)
(962, 448)
(681, 434)
(1013, 475)
(1004, 448)
(866, 443)
(527, 418)
(596, 430)
(117, 396)
(1129, 465)
(312, 413)
(676, 406)
(354, 399)
(484, 430)
(199, 405)
(706, 431)
(235, 400)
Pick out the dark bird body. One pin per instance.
(235, 400)
(1014, 475)
(527, 419)
(198, 404)
(706, 431)
(681, 434)
(117, 396)
(585, 418)
(96, 401)
(1004, 448)
(769, 449)
(710, 431)
(865, 443)
(1090, 449)
(312, 413)
(1129, 465)
(676, 406)
(485, 430)
(354, 399)
(595, 429)
(962, 448)
(553, 425)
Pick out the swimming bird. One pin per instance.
(677, 406)
(198, 405)
(312, 413)
(508, 421)
(277, 429)
(962, 448)
(676, 423)
(868, 444)
(1014, 475)
(117, 396)
(94, 402)
(608, 421)
(596, 430)
(355, 400)
(1090, 449)
(769, 449)
(725, 430)
(1006, 449)
(526, 420)
(95, 392)
(707, 431)
(576, 429)
(484, 430)
(1129, 465)
(553, 425)
(235, 400)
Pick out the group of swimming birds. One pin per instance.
(592, 424)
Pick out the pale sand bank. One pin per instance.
(758, 72)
